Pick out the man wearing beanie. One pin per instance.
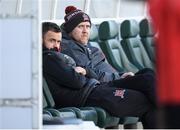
(75, 36)
(75, 44)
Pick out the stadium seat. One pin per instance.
(46, 114)
(94, 38)
(105, 120)
(129, 122)
(108, 32)
(51, 116)
(132, 45)
(48, 105)
(148, 37)
(67, 112)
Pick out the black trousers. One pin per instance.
(132, 96)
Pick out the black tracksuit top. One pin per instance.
(67, 87)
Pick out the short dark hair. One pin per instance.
(49, 26)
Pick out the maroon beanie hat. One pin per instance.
(74, 17)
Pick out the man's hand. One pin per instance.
(127, 74)
(80, 70)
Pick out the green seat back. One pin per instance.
(133, 46)
(93, 33)
(94, 38)
(44, 102)
(147, 37)
(108, 32)
(48, 95)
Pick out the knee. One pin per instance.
(146, 71)
(150, 79)
(149, 71)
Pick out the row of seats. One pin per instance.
(74, 115)
(133, 52)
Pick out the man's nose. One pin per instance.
(85, 29)
(57, 44)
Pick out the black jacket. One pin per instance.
(67, 87)
(89, 57)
